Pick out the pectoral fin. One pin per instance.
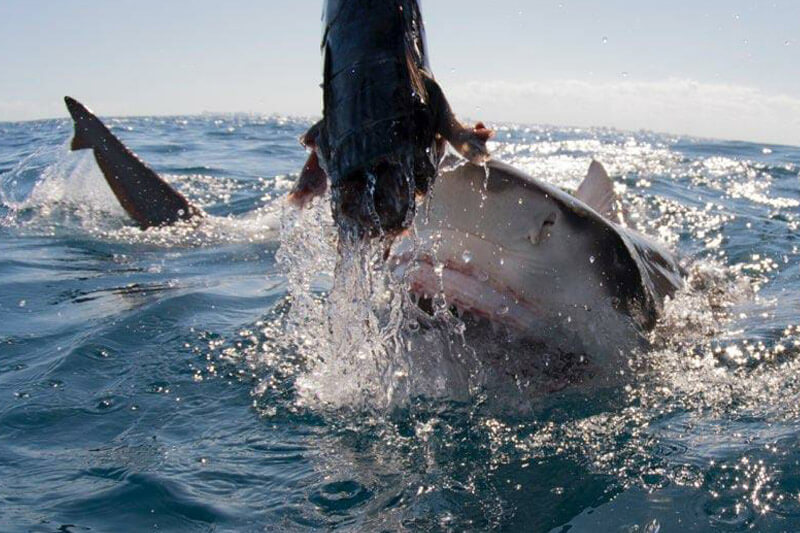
(469, 142)
(313, 182)
(309, 138)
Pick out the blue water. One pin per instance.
(182, 379)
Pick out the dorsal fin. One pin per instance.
(597, 190)
(147, 198)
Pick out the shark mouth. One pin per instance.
(468, 289)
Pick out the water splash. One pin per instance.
(703, 427)
(69, 196)
(365, 341)
(703, 373)
(346, 316)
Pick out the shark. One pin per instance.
(556, 268)
(146, 197)
(498, 244)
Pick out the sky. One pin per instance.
(727, 69)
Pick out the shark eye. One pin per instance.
(542, 233)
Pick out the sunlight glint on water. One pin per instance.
(242, 384)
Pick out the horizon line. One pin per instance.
(311, 118)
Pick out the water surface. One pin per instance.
(162, 379)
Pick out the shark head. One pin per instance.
(504, 246)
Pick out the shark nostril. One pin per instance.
(542, 233)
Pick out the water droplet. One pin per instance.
(23, 303)
(592, 259)
(604, 40)
(466, 256)
(105, 403)
(787, 42)
(624, 74)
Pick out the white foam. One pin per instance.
(72, 197)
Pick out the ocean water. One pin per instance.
(208, 378)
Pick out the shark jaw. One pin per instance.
(509, 256)
(503, 246)
(467, 288)
(477, 278)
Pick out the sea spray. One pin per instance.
(352, 339)
(364, 340)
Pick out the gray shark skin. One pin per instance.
(146, 197)
(385, 119)
(548, 265)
